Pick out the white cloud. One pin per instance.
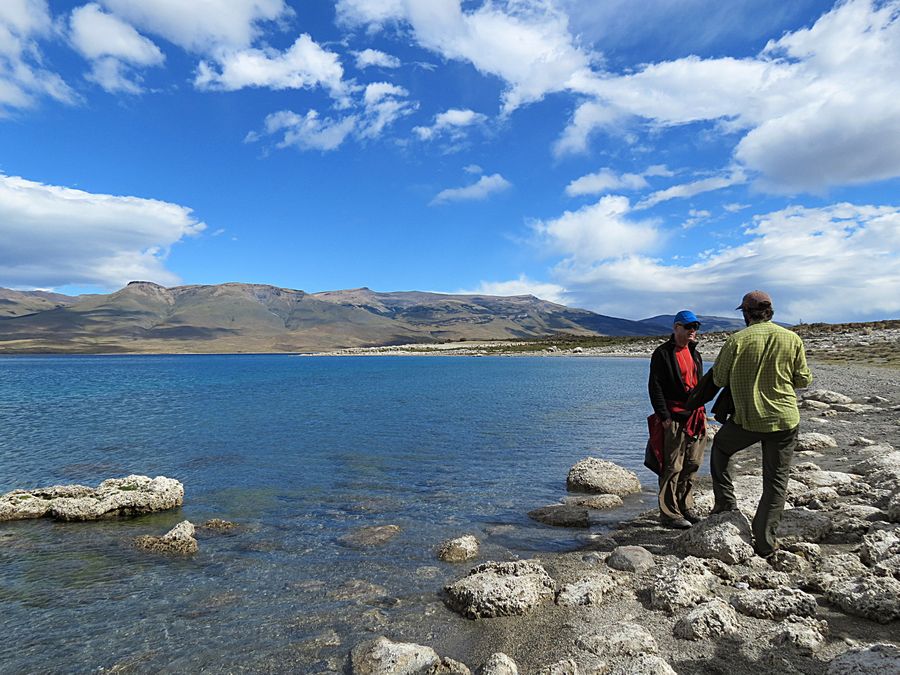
(526, 43)
(799, 255)
(55, 236)
(819, 107)
(605, 180)
(203, 26)
(111, 45)
(307, 132)
(484, 188)
(302, 66)
(685, 190)
(473, 168)
(384, 105)
(520, 286)
(23, 80)
(451, 121)
(734, 207)
(597, 232)
(372, 57)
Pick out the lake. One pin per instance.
(299, 451)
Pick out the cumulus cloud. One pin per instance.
(686, 190)
(451, 122)
(597, 232)
(799, 255)
(372, 57)
(54, 236)
(23, 79)
(605, 180)
(307, 132)
(526, 43)
(302, 66)
(797, 106)
(112, 46)
(484, 188)
(384, 104)
(520, 286)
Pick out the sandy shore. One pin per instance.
(552, 633)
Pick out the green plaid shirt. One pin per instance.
(762, 365)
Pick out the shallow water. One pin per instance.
(299, 451)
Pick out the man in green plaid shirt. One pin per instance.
(762, 365)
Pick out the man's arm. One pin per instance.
(654, 386)
(722, 366)
(802, 377)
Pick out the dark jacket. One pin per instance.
(666, 383)
(706, 391)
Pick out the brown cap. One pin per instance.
(755, 300)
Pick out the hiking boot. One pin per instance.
(692, 516)
(723, 509)
(675, 523)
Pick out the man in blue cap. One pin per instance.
(675, 369)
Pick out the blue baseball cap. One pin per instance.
(686, 316)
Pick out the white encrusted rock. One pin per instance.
(683, 584)
(499, 663)
(893, 509)
(597, 502)
(179, 540)
(710, 620)
(803, 634)
(500, 589)
(565, 667)
(829, 569)
(384, 657)
(621, 639)
(724, 536)
(777, 603)
(589, 590)
(869, 596)
(879, 457)
(448, 666)
(642, 664)
(603, 477)
(832, 479)
(631, 559)
(803, 524)
(853, 407)
(812, 440)
(879, 545)
(878, 659)
(459, 549)
(826, 396)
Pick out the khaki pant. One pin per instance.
(682, 457)
(777, 452)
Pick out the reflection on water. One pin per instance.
(300, 452)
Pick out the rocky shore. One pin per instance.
(643, 599)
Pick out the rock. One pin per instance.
(876, 598)
(499, 664)
(631, 559)
(130, 496)
(888, 567)
(598, 502)
(500, 589)
(561, 515)
(815, 497)
(876, 399)
(621, 639)
(383, 657)
(567, 667)
(893, 509)
(832, 479)
(710, 620)
(803, 634)
(830, 569)
(447, 666)
(724, 536)
(853, 407)
(814, 441)
(879, 457)
(803, 525)
(790, 563)
(588, 590)
(375, 535)
(879, 545)
(218, 525)
(459, 549)
(179, 540)
(878, 659)
(642, 664)
(826, 396)
(683, 584)
(778, 603)
(599, 476)
(862, 441)
(811, 404)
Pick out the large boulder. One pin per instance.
(602, 477)
(500, 589)
(179, 540)
(710, 620)
(459, 549)
(778, 603)
(384, 657)
(130, 496)
(869, 596)
(683, 584)
(723, 536)
(879, 659)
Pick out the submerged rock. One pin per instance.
(602, 477)
(459, 549)
(384, 657)
(500, 589)
(179, 540)
(130, 496)
(218, 525)
(561, 515)
(370, 536)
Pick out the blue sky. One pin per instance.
(632, 158)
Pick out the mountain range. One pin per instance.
(144, 317)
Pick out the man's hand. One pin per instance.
(667, 423)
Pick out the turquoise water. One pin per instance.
(299, 451)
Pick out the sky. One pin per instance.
(630, 158)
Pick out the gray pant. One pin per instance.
(682, 457)
(777, 452)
